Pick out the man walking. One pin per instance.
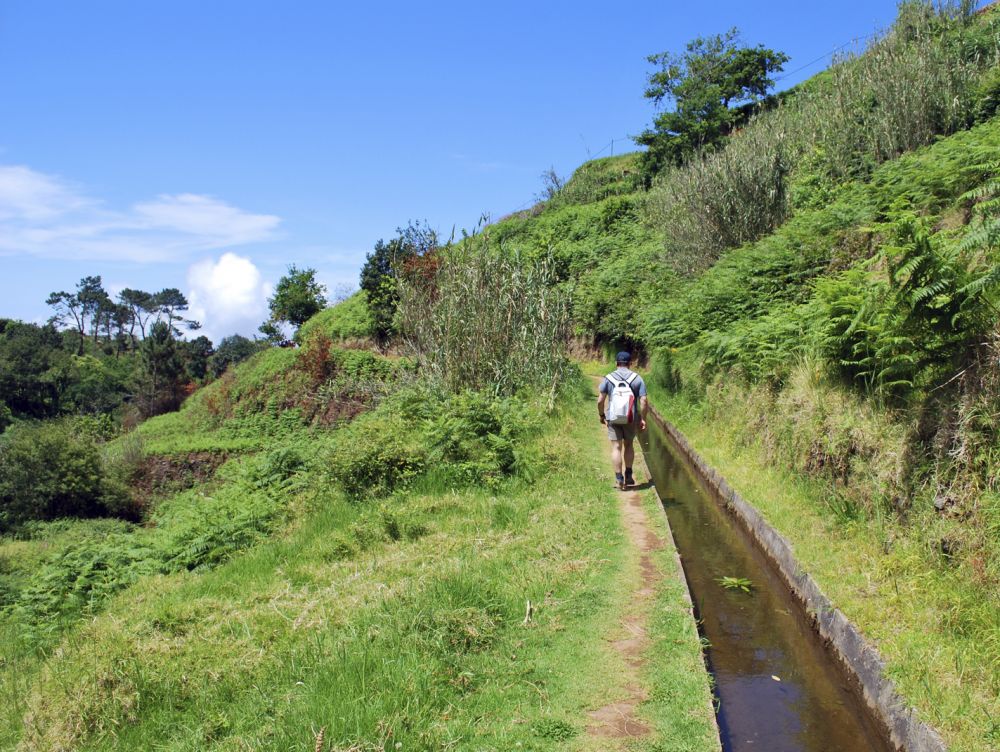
(622, 405)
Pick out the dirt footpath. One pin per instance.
(619, 720)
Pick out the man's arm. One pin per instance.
(643, 409)
(600, 405)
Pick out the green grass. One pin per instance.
(942, 642)
(395, 621)
(349, 320)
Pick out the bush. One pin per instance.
(376, 455)
(458, 439)
(912, 328)
(483, 319)
(50, 470)
(474, 437)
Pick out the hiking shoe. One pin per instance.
(620, 481)
(629, 480)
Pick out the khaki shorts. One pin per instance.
(624, 432)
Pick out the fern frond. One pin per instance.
(985, 282)
(984, 235)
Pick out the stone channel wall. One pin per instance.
(861, 660)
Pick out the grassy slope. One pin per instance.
(348, 320)
(601, 249)
(392, 621)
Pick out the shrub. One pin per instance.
(50, 470)
(375, 455)
(473, 437)
(911, 328)
(275, 467)
(458, 439)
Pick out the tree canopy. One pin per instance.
(380, 274)
(707, 84)
(298, 297)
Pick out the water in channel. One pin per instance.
(778, 689)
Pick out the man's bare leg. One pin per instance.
(616, 456)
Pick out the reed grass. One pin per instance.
(922, 79)
(483, 319)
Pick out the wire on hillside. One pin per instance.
(610, 145)
(825, 55)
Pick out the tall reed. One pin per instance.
(920, 80)
(478, 317)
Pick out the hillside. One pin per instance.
(818, 300)
(335, 547)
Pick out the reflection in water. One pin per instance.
(778, 689)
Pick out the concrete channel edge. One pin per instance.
(860, 659)
(679, 574)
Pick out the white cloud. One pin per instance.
(42, 215)
(206, 217)
(33, 196)
(228, 296)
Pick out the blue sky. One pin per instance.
(207, 145)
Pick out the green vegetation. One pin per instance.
(923, 79)
(413, 601)
(710, 84)
(482, 320)
(817, 294)
(600, 253)
(383, 268)
(55, 469)
(347, 321)
(231, 350)
(276, 391)
(736, 583)
(297, 298)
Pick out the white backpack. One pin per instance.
(621, 410)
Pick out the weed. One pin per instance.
(735, 583)
(555, 729)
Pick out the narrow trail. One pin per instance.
(618, 720)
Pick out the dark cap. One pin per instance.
(623, 357)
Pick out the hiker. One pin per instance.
(624, 416)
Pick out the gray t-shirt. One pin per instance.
(638, 388)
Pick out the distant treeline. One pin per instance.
(99, 356)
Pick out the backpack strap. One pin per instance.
(614, 378)
(631, 378)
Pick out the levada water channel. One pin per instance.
(778, 689)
